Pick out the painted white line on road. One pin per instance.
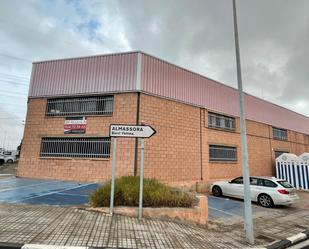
(53, 192)
(37, 246)
(223, 211)
(71, 194)
(26, 186)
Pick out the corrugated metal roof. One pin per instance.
(165, 79)
(118, 73)
(95, 74)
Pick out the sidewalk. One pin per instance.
(75, 227)
(68, 226)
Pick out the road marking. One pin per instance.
(72, 194)
(26, 186)
(53, 192)
(223, 211)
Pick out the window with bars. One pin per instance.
(220, 121)
(280, 134)
(96, 105)
(75, 147)
(222, 153)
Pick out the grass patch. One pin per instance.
(156, 194)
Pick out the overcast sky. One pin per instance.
(195, 34)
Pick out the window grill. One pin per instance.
(222, 153)
(98, 105)
(75, 147)
(221, 121)
(280, 134)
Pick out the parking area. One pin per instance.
(44, 192)
(224, 207)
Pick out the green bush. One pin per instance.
(156, 194)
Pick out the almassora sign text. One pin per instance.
(139, 131)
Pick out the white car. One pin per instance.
(9, 159)
(267, 191)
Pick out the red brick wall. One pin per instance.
(172, 155)
(38, 125)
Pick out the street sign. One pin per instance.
(129, 131)
(133, 131)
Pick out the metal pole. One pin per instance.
(243, 133)
(111, 207)
(141, 181)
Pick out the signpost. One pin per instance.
(129, 131)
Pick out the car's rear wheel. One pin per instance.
(265, 200)
(216, 191)
(10, 161)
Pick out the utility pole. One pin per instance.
(243, 134)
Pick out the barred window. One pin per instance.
(97, 105)
(220, 121)
(75, 147)
(280, 134)
(222, 153)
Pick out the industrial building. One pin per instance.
(72, 103)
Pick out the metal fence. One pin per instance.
(97, 105)
(296, 173)
(75, 147)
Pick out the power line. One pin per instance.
(15, 76)
(12, 92)
(15, 57)
(3, 103)
(13, 118)
(12, 82)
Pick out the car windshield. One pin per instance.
(285, 184)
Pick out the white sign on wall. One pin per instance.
(133, 131)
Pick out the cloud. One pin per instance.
(195, 34)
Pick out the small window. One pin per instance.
(75, 147)
(280, 134)
(238, 180)
(97, 105)
(285, 184)
(266, 183)
(222, 153)
(220, 121)
(253, 181)
(279, 153)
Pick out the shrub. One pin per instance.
(155, 194)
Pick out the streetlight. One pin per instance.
(243, 134)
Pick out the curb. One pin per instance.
(285, 243)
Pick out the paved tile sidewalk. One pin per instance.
(76, 227)
(67, 226)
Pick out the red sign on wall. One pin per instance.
(75, 125)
